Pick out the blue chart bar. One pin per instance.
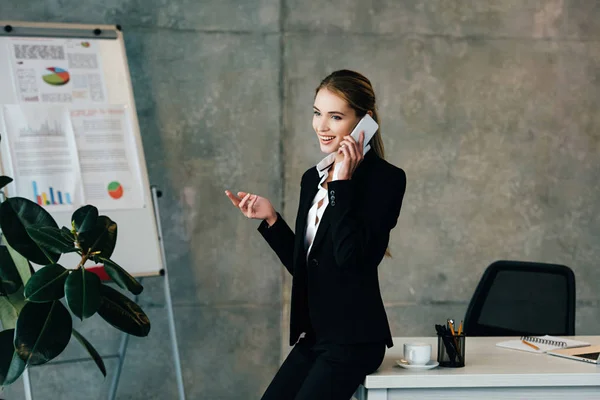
(43, 199)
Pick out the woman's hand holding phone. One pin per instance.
(253, 206)
(353, 155)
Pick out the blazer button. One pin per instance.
(332, 203)
(314, 262)
(332, 192)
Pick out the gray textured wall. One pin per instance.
(491, 107)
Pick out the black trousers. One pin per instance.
(324, 371)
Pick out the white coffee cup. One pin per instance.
(417, 353)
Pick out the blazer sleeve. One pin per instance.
(281, 238)
(358, 232)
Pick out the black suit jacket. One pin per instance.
(335, 292)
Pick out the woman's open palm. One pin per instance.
(252, 205)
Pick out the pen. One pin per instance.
(530, 345)
(452, 328)
(451, 325)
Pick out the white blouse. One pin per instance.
(315, 213)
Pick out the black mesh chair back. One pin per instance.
(515, 298)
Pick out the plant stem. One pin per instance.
(84, 258)
(75, 235)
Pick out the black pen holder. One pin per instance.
(451, 351)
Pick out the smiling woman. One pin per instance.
(348, 96)
(349, 203)
(344, 97)
(332, 120)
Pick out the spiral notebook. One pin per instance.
(545, 343)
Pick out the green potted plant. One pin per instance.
(36, 306)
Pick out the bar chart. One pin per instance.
(51, 197)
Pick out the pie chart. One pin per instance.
(115, 190)
(56, 77)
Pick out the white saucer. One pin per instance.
(430, 364)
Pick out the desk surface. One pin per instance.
(486, 365)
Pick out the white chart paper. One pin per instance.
(57, 70)
(43, 155)
(108, 157)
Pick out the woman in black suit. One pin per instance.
(349, 203)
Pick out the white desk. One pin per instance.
(490, 372)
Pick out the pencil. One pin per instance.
(460, 328)
(530, 345)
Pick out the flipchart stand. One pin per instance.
(125, 337)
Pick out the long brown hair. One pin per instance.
(358, 92)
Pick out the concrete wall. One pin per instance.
(491, 107)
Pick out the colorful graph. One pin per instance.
(115, 190)
(57, 77)
(47, 199)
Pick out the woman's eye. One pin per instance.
(336, 117)
(316, 113)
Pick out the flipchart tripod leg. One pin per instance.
(168, 301)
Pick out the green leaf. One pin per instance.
(23, 265)
(102, 238)
(5, 180)
(51, 239)
(47, 284)
(10, 307)
(122, 313)
(8, 314)
(17, 299)
(16, 214)
(11, 366)
(83, 293)
(121, 277)
(10, 280)
(67, 234)
(92, 351)
(84, 218)
(16, 369)
(43, 332)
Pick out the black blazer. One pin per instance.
(335, 293)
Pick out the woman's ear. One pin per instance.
(370, 113)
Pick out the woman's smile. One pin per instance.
(326, 139)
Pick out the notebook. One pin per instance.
(589, 354)
(545, 343)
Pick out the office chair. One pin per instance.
(515, 298)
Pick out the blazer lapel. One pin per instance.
(325, 220)
(322, 230)
(307, 194)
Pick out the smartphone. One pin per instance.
(369, 126)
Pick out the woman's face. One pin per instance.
(332, 120)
